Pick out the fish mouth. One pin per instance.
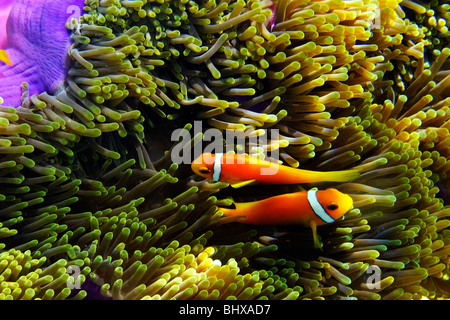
(39, 51)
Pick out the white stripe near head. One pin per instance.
(317, 207)
(217, 170)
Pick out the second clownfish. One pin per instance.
(241, 169)
(306, 208)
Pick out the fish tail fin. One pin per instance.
(227, 212)
(341, 176)
(239, 213)
(234, 214)
(240, 207)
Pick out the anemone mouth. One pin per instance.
(37, 49)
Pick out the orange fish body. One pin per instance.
(306, 208)
(238, 168)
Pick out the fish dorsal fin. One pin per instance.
(242, 184)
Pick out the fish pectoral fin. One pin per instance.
(242, 184)
(317, 243)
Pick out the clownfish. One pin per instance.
(306, 208)
(5, 57)
(241, 169)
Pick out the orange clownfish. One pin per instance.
(241, 169)
(5, 57)
(306, 208)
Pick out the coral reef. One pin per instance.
(90, 196)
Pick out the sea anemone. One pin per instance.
(37, 51)
(23, 279)
(91, 196)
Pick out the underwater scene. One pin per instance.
(224, 149)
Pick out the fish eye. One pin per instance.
(332, 206)
(204, 170)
